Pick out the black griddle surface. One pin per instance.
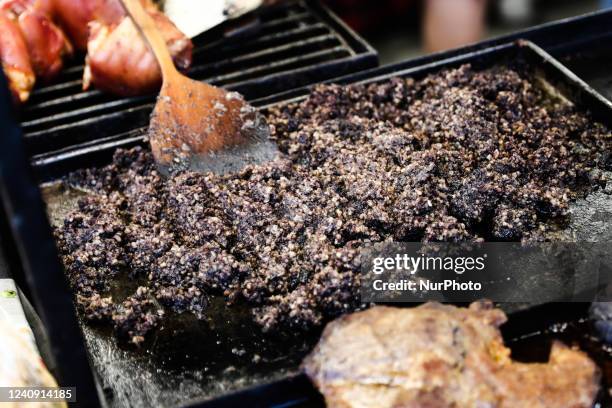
(174, 375)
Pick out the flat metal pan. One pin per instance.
(276, 388)
(591, 60)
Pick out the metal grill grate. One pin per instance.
(292, 45)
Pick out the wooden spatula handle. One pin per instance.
(147, 27)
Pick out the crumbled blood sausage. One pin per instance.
(136, 316)
(459, 155)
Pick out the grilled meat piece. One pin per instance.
(75, 15)
(441, 356)
(15, 59)
(119, 60)
(46, 43)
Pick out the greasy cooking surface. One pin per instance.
(441, 356)
(460, 155)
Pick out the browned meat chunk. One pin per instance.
(75, 15)
(15, 59)
(441, 356)
(119, 61)
(46, 43)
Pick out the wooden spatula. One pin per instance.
(195, 125)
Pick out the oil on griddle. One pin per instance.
(459, 155)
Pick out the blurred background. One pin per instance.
(401, 29)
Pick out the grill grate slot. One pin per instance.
(291, 63)
(294, 44)
(55, 102)
(275, 39)
(266, 57)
